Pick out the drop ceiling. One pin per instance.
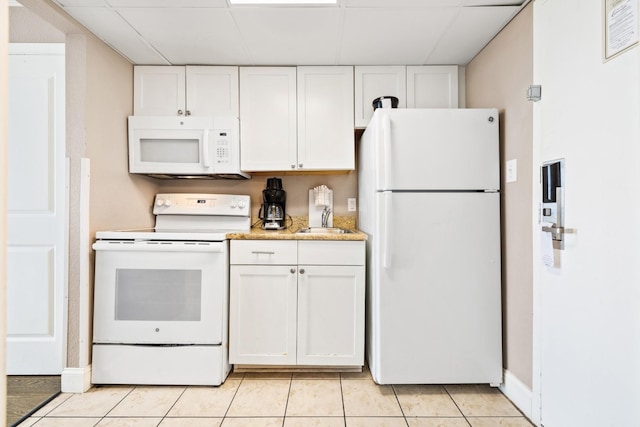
(353, 32)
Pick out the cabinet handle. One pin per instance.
(262, 253)
(180, 112)
(293, 270)
(302, 271)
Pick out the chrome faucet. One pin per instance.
(326, 212)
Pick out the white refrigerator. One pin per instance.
(429, 201)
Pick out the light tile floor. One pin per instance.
(284, 400)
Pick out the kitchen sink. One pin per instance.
(324, 230)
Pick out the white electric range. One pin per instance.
(161, 295)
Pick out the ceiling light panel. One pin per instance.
(284, 2)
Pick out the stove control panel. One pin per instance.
(202, 204)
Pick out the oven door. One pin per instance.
(160, 292)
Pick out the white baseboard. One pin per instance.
(75, 380)
(517, 392)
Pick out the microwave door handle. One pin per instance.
(205, 149)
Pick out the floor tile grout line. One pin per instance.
(393, 387)
(455, 403)
(286, 405)
(173, 405)
(344, 410)
(119, 402)
(233, 398)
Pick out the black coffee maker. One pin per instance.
(272, 211)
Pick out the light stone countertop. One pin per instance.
(257, 233)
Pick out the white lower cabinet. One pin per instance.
(309, 313)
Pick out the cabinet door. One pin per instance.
(212, 90)
(331, 315)
(158, 90)
(372, 82)
(325, 118)
(268, 118)
(432, 86)
(262, 315)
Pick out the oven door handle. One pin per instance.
(159, 246)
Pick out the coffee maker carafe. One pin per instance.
(272, 211)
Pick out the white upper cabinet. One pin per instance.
(184, 91)
(212, 90)
(159, 91)
(373, 82)
(268, 118)
(325, 118)
(429, 86)
(296, 119)
(432, 86)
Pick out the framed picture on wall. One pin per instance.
(620, 26)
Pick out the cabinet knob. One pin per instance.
(300, 165)
(302, 271)
(293, 166)
(180, 112)
(293, 270)
(187, 113)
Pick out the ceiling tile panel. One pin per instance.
(291, 36)
(393, 36)
(82, 3)
(471, 31)
(189, 35)
(107, 25)
(167, 3)
(403, 3)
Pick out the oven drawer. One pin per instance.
(158, 365)
(268, 252)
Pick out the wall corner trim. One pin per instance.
(518, 393)
(75, 380)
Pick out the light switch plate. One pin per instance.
(351, 204)
(511, 168)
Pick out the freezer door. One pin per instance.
(435, 299)
(436, 149)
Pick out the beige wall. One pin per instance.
(297, 188)
(27, 27)
(499, 77)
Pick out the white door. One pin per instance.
(268, 119)
(432, 86)
(330, 315)
(212, 91)
(262, 314)
(36, 256)
(159, 91)
(589, 303)
(435, 296)
(325, 118)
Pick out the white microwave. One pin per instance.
(185, 147)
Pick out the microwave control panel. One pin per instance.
(222, 147)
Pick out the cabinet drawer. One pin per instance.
(270, 252)
(331, 252)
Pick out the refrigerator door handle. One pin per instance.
(386, 147)
(386, 244)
